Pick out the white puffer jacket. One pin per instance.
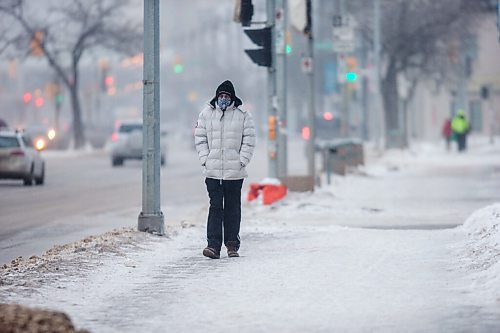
(225, 142)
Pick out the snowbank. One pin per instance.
(482, 249)
(67, 260)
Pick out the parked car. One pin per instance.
(20, 159)
(126, 143)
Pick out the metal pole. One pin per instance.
(151, 217)
(271, 89)
(311, 116)
(462, 81)
(379, 125)
(281, 23)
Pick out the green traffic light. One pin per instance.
(351, 76)
(288, 49)
(178, 68)
(59, 99)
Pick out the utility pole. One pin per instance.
(272, 96)
(311, 115)
(280, 45)
(379, 125)
(151, 218)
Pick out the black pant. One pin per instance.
(225, 210)
(462, 141)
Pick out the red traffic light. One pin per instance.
(328, 116)
(108, 80)
(306, 133)
(39, 102)
(27, 97)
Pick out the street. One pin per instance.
(80, 189)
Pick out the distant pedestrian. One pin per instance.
(460, 127)
(447, 133)
(225, 140)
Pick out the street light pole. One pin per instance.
(281, 24)
(311, 114)
(272, 97)
(151, 217)
(380, 114)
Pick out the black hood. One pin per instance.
(228, 88)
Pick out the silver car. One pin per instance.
(20, 159)
(126, 143)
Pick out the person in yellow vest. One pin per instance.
(460, 127)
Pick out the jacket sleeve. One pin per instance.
(248, 140)
(201, 139)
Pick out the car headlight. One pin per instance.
(40, 144)
(51, 134)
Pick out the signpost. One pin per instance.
(343, 34)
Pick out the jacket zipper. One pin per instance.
(222, 147)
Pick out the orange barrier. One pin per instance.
(270, 193)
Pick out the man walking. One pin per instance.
(225, 140)
(460, 127)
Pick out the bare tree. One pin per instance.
(65, 34)
(416, 37)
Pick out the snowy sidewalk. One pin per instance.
(289, 279)
(341, 260)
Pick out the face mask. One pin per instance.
(223, 103)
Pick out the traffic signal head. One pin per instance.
(36, 44)
(261, 37)
(109, 80)
(288, 42)
(27, 97)
(351, 65)
(485, 92)
(178, 68)
(246, 12)
(351, 76)
(58, 99)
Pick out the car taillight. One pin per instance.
(114, 137)
(17, 153)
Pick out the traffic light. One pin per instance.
(246, 12)
(177, 65)
(36, 44)
(261, 37)
(178, 68)
(243, 12)
(58, 98)
(328, 116)
(109, 80)
(306, 133)
(39, 101)
(288, 42)
(485, 92)
(351, 74)
(272, 122)
(27, 97)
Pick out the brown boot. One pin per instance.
(210, 252)
(232, 251)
